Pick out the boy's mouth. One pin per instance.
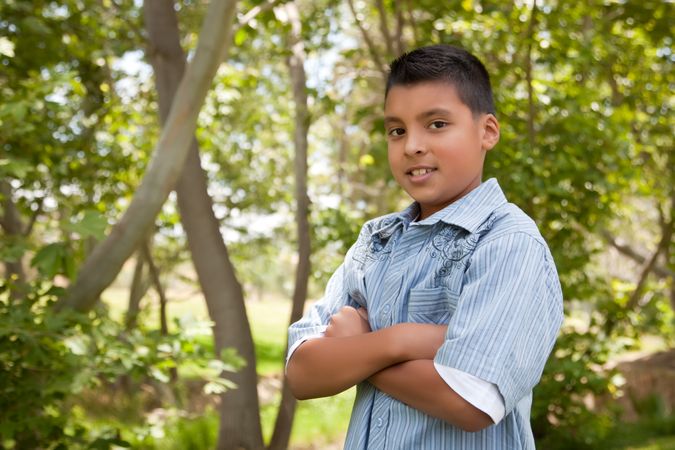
(420, 171)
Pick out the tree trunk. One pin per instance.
(154, 276)
(284, 422)
(139, 286)
(10, 221)
(239, 411)
(105, 262)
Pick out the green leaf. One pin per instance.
(218, 386)
(159, 375)
(12, 249)
(76, 344)
(92, 224)
(240, 36)
(49, 260)
(232, 359)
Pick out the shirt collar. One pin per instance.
(390, 223)
(469, 211)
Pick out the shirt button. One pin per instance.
(378, 422)
(386, 308)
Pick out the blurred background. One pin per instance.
(132, 316)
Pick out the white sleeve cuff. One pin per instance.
(480, 393)
(297, 344)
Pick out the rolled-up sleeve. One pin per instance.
(508, 316)
(313, 323)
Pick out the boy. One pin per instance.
(443, 314)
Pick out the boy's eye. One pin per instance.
(438, 124)
(396, 132)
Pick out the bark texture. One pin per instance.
(284, 422)
(10, 221)
(139, 286)
(105, 262)
(239, 411)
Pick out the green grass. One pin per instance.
(317, 423)
(654, 431)
(664, 443)
(198, 433)
(269, 325)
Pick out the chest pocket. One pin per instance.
(431, 305)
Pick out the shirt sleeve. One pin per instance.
(297, 343)
(313, 323)
(508, 316)
(480, 393)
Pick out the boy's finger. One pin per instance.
(363, 313)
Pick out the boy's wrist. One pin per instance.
(397, 342)
(411, 341)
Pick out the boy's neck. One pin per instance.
(430, 210)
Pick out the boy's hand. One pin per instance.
(348, 322)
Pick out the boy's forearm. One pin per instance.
(326, 366)
(418, 384)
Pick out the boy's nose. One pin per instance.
(414, 145)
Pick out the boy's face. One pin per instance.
(436, 145)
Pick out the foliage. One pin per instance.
(653, 431)
(562, 413)
(48, 357)
(577, 130)
(584, 98)
(192, 433)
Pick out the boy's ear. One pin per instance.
(490, 131)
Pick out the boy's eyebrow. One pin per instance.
(391, 119)
(421, 116)
(434, 112)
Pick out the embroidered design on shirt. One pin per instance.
(375, 246)
(451, 244)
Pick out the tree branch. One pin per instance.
(384, 27)
(33, 218)
(105, 262)
(243, 20)
(296, 61)
(666, 236)
(630, 252)
(137, 290)
(154, 276)
(528, 74)
(411, 20)
(400, 24)
(11, 223)
(369, 42)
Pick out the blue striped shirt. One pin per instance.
(480, 266)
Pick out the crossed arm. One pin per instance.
(397, 360)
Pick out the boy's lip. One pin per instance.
(420, 173)
(421, 170)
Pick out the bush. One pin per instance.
(47, 357)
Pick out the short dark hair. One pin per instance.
(445, 63)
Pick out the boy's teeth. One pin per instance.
(418, 172)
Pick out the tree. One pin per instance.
(104, 263)
(583, 96)
(239, 416)
(57, 85)
(296, 61)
